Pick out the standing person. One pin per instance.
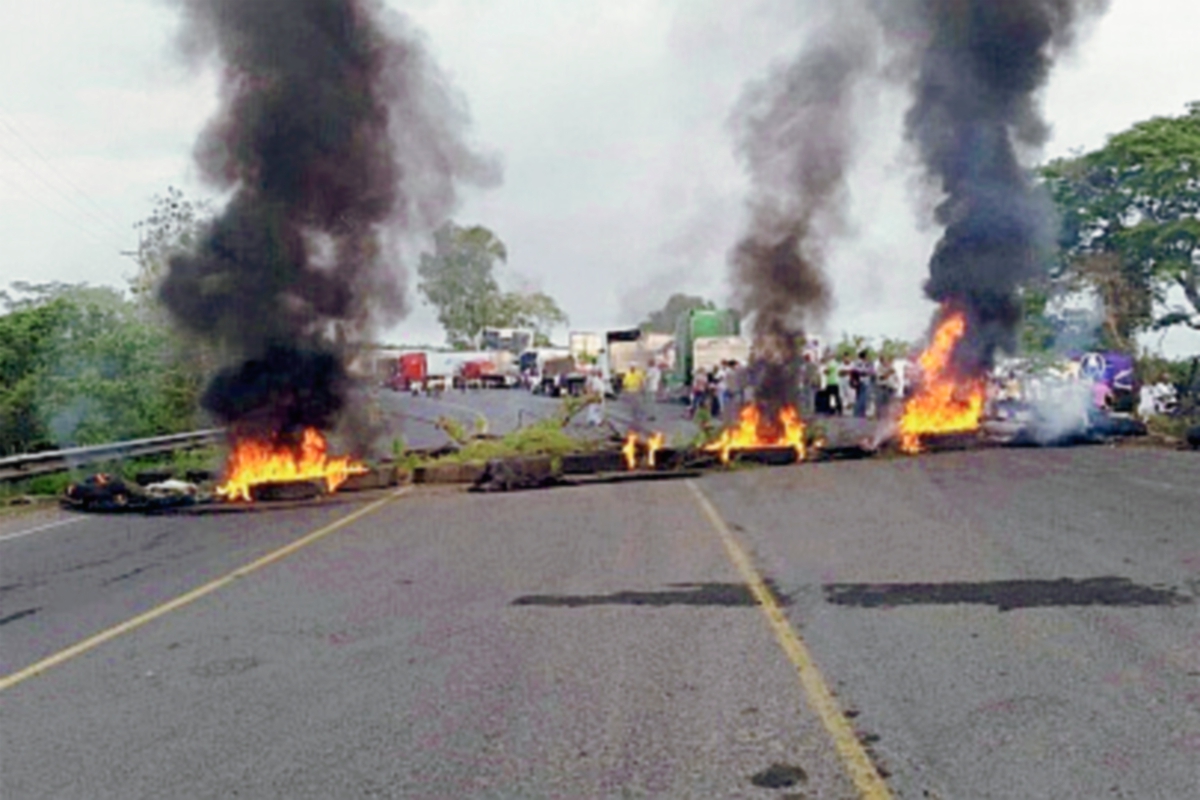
(699, 391)
(860, 377)
(833, 401)
(653, 381)
(846, 385)
(595, 392)
(714, 391)
(821, 406)
(723, 391)
(886, 387)
(632, 381)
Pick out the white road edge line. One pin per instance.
(19, 534)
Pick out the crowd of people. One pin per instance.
(861, 386)
(869, 386)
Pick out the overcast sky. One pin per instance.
(609, 117)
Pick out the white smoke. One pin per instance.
(1061, 411)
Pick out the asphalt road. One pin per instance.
(999, 623)
(415, 417)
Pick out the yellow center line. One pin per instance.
(854, 758)
(92, 642)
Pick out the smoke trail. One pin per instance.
(978, 67)
(338, 135)
(975, 68)
(795, 136)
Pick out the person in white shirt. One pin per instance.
(653, 380)
(595, 391)
(722, 390)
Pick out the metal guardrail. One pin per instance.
(29, 465)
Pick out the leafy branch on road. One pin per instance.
(543, 438)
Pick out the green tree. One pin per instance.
(1130, 230)
(27, 331)
(894, 348)
(535, 310)
(664, 319)
(83, 365)
(175, 225)
(458, 280)
(851, 346)
(1039, 330)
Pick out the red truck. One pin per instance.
(482, 372)
(412, 371)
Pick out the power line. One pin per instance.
(8, 123)
(98, 220)
(92, 234)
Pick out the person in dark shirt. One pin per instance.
(861, 381)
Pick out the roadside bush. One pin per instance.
(81, 365)
(543, 438)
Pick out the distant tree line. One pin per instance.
(1129, 235)
(82, 365)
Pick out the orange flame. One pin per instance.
(749, 433)
(945, 402)
(653, 445)
(633, 442)
(257, 461)
(629, 450)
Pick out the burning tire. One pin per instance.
(101, 492)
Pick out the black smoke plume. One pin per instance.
(337, 136)
(795, 137)
(975, 68)
(978, 67)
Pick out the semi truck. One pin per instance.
(436, 370)
(697, 324)
(585, 346)
(710, 351)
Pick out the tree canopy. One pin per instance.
(663, 320)
(175, 225)
(458, 279)
(535, 310)
(1130, 230)
(82, 365)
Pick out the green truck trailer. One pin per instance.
(700, 323)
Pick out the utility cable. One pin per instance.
(58, 213)
(106, 226)
(8, 123)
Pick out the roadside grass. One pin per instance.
(1167, 425)
(178, 463)
(543, 438)
(546, 437)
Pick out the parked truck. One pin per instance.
(623, 349)
(532, 363)
(697, 324)
(437, 370)
(585, 346)
(710, 351)
(411, 372)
